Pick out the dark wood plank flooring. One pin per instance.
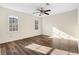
(18, 47)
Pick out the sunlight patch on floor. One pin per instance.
(38, 48)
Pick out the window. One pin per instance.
(36, 24)
(13, 23)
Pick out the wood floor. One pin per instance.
(18, 47)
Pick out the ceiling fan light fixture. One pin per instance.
(43, 11)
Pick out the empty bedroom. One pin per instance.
(39, 28)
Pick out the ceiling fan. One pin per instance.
(41, 11)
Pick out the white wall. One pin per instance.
(66, 22)
(26, 26)
(77, 32)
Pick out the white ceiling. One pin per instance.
(31, 7)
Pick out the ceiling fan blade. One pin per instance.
(41, 8)
(40, 14)
(38, 9)
(46, 13)
(47, 10)
(35, 12)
